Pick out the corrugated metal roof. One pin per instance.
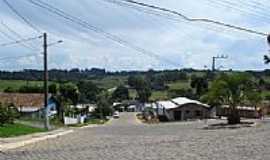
(167, 104)
(183, 100)
(178, 102)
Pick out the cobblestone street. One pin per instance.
(125, 138)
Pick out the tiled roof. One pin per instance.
(23, 100)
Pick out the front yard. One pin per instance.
(13, 130)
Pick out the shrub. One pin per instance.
(8, 113)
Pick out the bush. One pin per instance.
(8, 113)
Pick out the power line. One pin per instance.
(107, 35)
(162, 15)
(13, 39)
(241, 7)
(20, 41)
(204, 20)
(21, 16)
(18, 57)
(15, 33)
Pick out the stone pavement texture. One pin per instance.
(126, 139)
(15, 142)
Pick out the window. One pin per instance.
(198, 113)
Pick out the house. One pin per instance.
(28, 104)
(244, 111)
(182, 108)
(83, 112)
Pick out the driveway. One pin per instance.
(126, 139)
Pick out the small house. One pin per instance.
(28, 104)
(244, 111)
(182, 108)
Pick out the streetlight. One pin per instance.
(46, 78)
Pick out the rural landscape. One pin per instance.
(126, 79)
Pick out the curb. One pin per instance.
(15, 145)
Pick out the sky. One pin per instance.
(155, 40)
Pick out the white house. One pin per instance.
(182, 108)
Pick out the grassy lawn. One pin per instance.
(179, 85)
(159, 95)
(13, 130)
(109, 82)
(16, 84)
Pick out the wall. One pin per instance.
(189, 111)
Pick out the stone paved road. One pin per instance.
(125, 139)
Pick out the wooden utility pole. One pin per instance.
(46, 116)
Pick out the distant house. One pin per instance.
(28, 104)
(244, 111)
(83, 111)
(182, 108)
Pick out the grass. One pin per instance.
(13, 130)
(179, 85)
(16, 84)
(159, 95)
(109, 82)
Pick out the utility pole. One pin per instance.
(46, 116)
(215, 59)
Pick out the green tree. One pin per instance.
(9, 90)
(144, 94)
(70, 91)
(200, 85)
(68, 95)
(88, 92)
(121, 93)
(132, 81)
(8, 113)
(230, 90)
(53, 88)
(254, 98)
(103, 105)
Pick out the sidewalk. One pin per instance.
(16, 142)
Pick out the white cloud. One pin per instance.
(189, 45)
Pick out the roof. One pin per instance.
(167, 104)
(23, 100)
(180, 101)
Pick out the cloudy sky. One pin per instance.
(151, 39)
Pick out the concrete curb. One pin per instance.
(9, 146)
(91, 126)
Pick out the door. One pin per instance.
(178, 115)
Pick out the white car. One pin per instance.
(116, 114)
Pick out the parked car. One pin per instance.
(116, 114)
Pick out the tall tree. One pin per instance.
(103, 105)
(70, 91)
(230, 90)
(200, 85)
(121, 93)
(88, 92)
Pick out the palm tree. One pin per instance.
(230, 90)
